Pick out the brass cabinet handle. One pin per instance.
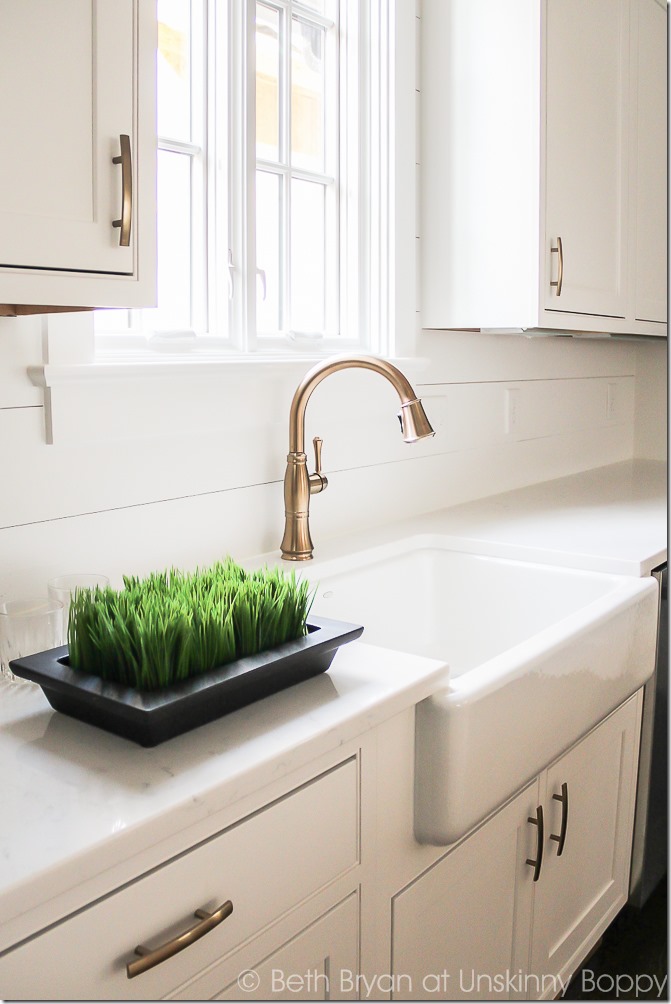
(537, 820)
(150, 957)
(559, 250)
(126, 191)
(561, 836)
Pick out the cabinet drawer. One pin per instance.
(318, 963)
(265, 865)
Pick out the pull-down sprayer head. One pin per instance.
(414, 423)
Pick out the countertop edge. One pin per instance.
(76, 882)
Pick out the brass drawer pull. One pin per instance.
(561, 836)
(559, 251)
(537, 820)
(126, 191)
(150, 957)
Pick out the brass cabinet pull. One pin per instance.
(559, 251)
(126, 191)
(150, 957)
(537, 820)
(561, 836)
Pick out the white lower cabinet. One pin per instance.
(511, 911)
(333, 899)
(319, 964)
(454, 927)
(268, 867)
(589, 793)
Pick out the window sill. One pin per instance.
(124, 399)
(213, 366)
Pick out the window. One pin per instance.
(261, 176)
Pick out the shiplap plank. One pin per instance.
(202, 528)
(20, 347)
(355, 417)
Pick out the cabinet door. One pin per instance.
(586, 151)
(649, 31)
(454, 928)
(319, 964)
(579, 892)
(66, 96)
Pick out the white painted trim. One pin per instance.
(206, 366)
(403, 180)
(169, 383)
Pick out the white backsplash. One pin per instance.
(135, 483)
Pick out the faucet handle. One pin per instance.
(318, 482)
(318, 443)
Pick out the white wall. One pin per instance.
(651, 413)
(162, 470)
(126, 487)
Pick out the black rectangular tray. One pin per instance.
(151, 717)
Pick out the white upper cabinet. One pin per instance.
(586, 180)
(77, 87)
(650, 146)
(543, 169)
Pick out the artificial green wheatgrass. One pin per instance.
(174, 625)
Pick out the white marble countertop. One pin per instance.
(609, 519)
(76, 800)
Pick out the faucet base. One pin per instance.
(296, 544)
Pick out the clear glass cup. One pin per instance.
(28, 626)
(64, 587)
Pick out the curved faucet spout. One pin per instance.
(323, 369)
(298, 484)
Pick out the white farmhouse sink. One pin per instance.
(537, 656)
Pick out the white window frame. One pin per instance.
(112, 387)
(226, 242)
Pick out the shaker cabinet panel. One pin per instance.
(586, 182)
(454, 928)
(58, 198)
(75, 77)
(649, 25)
(319, 964)
(543, 165)
(589, 800)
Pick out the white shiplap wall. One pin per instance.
(147, 473)
(123, 490)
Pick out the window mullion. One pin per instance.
(242, 151)
(199, 105)
(332, 215)
(302, 174)
(285, 157)
(219, 236)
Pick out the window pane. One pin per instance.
(267, 83)
(307, 256)
(174, 69)
(307, 96)
(174, 245)
(268, 319)
(111, 320)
